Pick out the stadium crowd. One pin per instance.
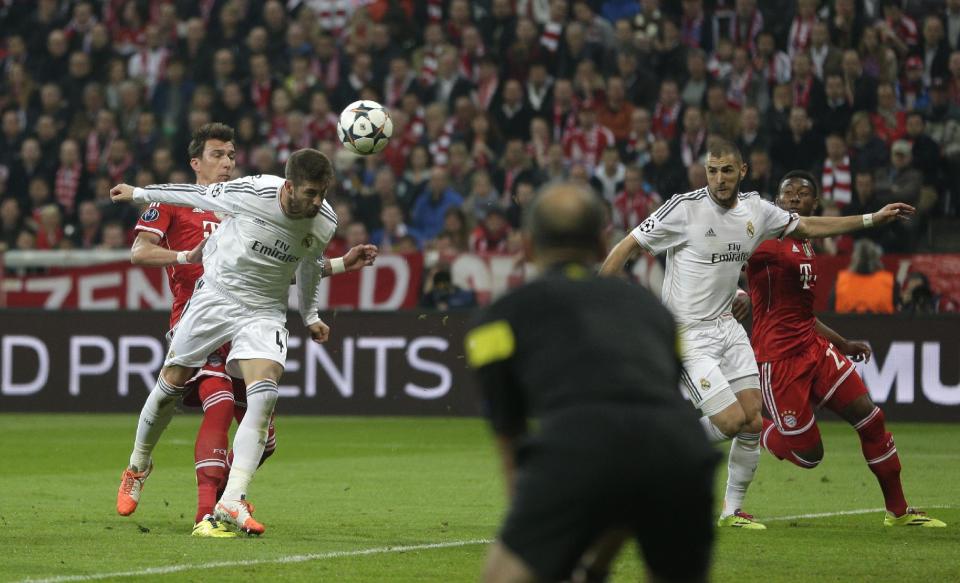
(489, 100)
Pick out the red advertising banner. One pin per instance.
(392, 284)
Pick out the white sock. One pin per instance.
(155, 415)
(251, 437)
(741, 467)
(713, 432)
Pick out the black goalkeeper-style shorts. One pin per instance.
(594, 469)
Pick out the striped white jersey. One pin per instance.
(707, 245)
(252, 257)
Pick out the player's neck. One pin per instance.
(729, 204)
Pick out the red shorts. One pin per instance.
(211, 384)
(817, 377)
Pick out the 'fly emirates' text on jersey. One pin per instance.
(251, 258)
(782, 276)
(180, 229)
(707, 245)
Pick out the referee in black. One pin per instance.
(616, 453)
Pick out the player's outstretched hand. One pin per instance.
(741, 307)
(121, 193)
(360, 256)
(319, 332)
(857, 351)
(893, 212)
(195, 255)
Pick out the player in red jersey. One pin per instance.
(804, 364)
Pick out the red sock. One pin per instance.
(210, 452)
(882, 459)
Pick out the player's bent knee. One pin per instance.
(730, 421)
(176, 375)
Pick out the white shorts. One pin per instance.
(718, 362)
(209, 321)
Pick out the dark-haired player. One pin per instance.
(708, 235)
(278, 226)
(164, 234)
(804, 364)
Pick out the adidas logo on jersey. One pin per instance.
(710, 233)
(198, 210)
(259, 221)
(795, 250)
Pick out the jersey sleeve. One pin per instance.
(237, 197)
(308, 288)
(156, 219)
(662, 230)
(777, 223)
(491, 348)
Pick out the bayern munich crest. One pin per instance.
(790, 421)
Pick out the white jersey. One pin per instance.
(707, 245)
(252, 257)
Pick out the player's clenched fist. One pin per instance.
(319, 332)
(121, 193)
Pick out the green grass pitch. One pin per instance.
(389, 499)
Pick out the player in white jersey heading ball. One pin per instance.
(708, 235)
(278, 227)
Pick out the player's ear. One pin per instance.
(743, 170)
(195, 164)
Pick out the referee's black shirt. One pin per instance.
(569, 340)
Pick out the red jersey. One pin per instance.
(782, 275)
(180, 229)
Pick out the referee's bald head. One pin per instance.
(566, 222)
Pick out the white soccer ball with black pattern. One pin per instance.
(365, 127)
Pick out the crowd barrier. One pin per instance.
(399, 363)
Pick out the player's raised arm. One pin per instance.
(222, 196)
(817, 227)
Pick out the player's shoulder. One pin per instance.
(754, 200)
(681, 201)
(264, 186)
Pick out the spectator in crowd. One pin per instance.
(49, 227)
(664, 172)
(826, 57)
(865, 286)
(752, 135)
(608, 177)
(634, 202)
(867, 151)
(695, 86)
(483, 196)
(760, 175)
(11, 222)
(441, 294)
(861, 89)
(430, 207)
(835, 117)
(836, 181)
(492, 233)
(87, 232)
(114, 237)
(917, 296)
(924, 151)
(457, 226)
(393, 229)
(616, 112)
(799, 147)
(889, 121)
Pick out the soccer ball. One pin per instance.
(365, 127)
